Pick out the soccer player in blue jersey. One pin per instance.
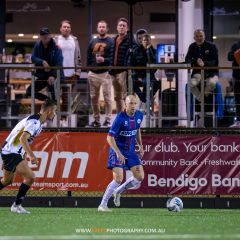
(122, 137)
(15, 148)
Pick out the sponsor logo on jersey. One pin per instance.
(128, 133)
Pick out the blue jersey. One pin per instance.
(124, 130)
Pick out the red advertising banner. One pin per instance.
(191, 165)
(69, 161)
(172, 164)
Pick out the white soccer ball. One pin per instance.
(174, 204)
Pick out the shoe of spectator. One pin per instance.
(63, 123)
(95, 124)
(107, 123)
(235, 125)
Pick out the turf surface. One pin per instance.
(83, 223)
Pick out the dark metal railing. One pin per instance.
(149, 116)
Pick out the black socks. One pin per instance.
(21, 193)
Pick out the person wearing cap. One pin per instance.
(71, 58)
(46, 54)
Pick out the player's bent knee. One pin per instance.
(118, 179)
(140, 178)
(30, 179)
(7, 182)
(10, 181)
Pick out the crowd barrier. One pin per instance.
(158, 112)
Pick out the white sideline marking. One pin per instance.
(123, 236)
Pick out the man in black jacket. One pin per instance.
(46, 54)
(119, 57)
(202, 53)
(236, 76)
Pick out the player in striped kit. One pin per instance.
(15, 148)
(122, 136)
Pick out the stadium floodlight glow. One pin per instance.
(21, 34)
(9, 40)
(35, 37)
(214, 37)
(152, 36)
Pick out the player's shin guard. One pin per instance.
(130, 182)
(1, 186)
(109, 191)
(21, 193)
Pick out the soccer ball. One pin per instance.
(174, 204)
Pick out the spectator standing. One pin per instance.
(71, 58)
(119, 57)
(98, 55)
(139, 35)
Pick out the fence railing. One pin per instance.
(154, 109)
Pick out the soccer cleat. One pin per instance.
(107, 123)
(116, 199)
(19, 209)
(104, 209)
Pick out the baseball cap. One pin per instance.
(44, 31)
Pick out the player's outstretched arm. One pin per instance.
(111, 141)
(24, 141)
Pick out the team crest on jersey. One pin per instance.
(139, 121)
(125, 123)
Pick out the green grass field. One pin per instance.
(84, 223)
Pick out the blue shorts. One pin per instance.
(131, 161)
